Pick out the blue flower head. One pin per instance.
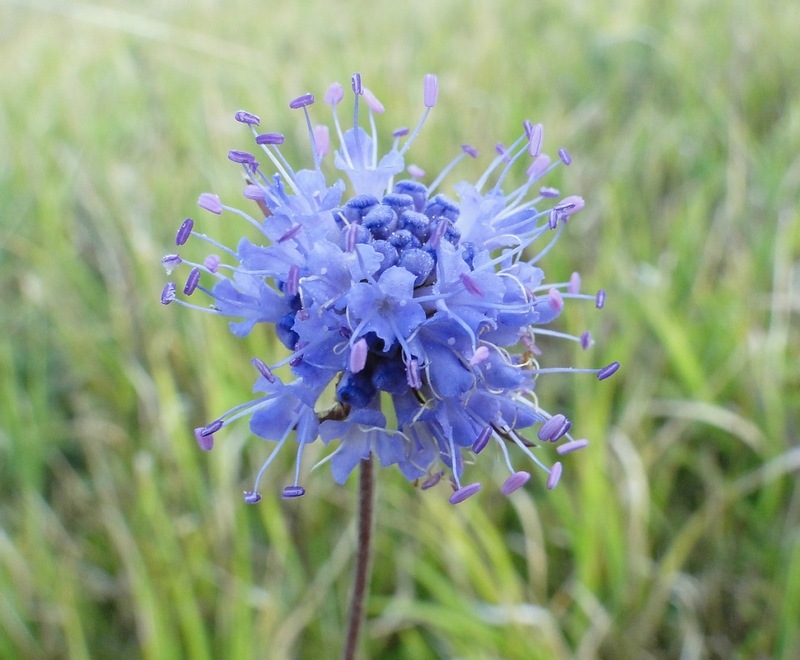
(394, 296)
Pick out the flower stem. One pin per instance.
(366, 497)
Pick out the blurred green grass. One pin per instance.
(675, 535)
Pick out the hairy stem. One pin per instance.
(366, 498)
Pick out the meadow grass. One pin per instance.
(676, 534)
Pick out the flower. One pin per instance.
(396, 296)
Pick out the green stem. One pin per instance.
(366, 498)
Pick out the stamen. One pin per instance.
(515, 482)
(372, 102)
(251, 497)
(244, 117)
(586, 340)
(206, 442)
(535, 140)
(184, 232)
(431, 87)
(355, 84)
(358, 355)
(168, 293)
(555, 475)
(293, 491)
(573, 445)
(600, 299)
(551, 427)
(465, 492)
(335, 94)
(241, 156)
(212, 262)
(480, 355)
(192, 281)
(301, 101)
(608, 371)
(563, 154)
(470, 285)
(412, 374)
(270, 138)
(210, 429)
(210, 202)
(263, 369)
(431, 481)
(574, 285)
(482, 440)
(171, 262)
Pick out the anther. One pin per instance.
(301, 101)
(608, 371)
(184, 232)
(463, 493)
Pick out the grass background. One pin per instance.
(675, 535)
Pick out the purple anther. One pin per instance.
(565, 427)
(515, 482)
(551, 427)
(184, 231)
(293, 280)
(415, 171)
(400, 132)
(573, 445)
(600, 299)
(350, 237)
(192, 281)
(538, 167)
(358, 355)
(552, 218)
(431, 90)
(251, 497)
(550, 193)
(254, 192)
(481, 354)
(412, 374)
(555, 300)
(570, 205)
(270, 138)
(171, 262)
(607, 372)
(210, 429)
(470, 284)
(586, 340)
(293, 491)
(291, 233)
(555, 475)
(563, 154)
(168, 293)
(471, 151)
(432, 480)
(301, 101)
(322, 140)
(244, 117)
(372, 101)
(210, 202)
(437, 233)
(482, 440)
(574, 285)
(463, 493)
(527, 126)
(500, 148)
(263, 369)
(356, 84)
(535, 140)
(334, 94)
(206, 442)
(241, 156)
(212, 262)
